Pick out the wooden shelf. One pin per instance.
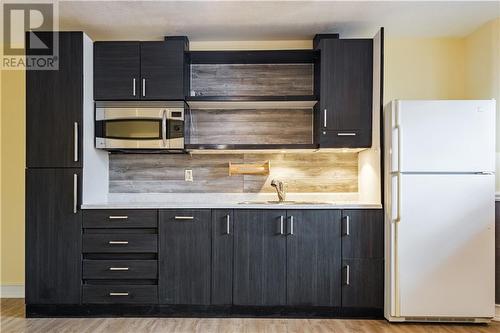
(262, 168)
(251, 102)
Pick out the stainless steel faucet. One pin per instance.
(280, 189)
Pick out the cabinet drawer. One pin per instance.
(120, 294)
(185, 215)
(120, 218)
(120, 243)
(120, 269)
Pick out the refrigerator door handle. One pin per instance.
(395, 151)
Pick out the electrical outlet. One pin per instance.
(188, 175)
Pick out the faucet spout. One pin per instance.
(281, 188)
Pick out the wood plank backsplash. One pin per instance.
(251, 79)
(262, 126)
(304, 173)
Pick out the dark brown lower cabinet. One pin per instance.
(222, 256)
(363, 283)
(313, 257)
(53, 236)
(259, 276)
(184, 256)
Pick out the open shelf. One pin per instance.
(251, 102)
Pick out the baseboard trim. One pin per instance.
(12, 291)
(197, 311)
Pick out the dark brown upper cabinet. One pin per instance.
(344, 84)
(54, 107)
(141, 70)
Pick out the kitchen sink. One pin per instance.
(286, 202)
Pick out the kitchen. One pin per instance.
(200, 182)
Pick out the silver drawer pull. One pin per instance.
(118, 242)
(346, 134)
(347, 275)
(118, 294)
(184, 218)
(118, 217)
(118, 268)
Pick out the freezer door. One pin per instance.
(444, 136)
(445, 246)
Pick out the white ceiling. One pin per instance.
(272, 20)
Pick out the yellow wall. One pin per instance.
(12, 174)
(482, 71)
(437, 68)
(424, 68)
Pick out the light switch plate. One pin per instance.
(188, 175)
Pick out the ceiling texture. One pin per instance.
(273, 20)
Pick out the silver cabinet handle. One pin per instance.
(75, 141)
(118, 268)
(75, 193)
(133, 87)
(291, 225)
(184, 218)
(228, 231)
(118, 294)
(347, 225)
(143, 87)
(324, 118)
(281, 225)
(346, 134)
(118, 242)
(347, 275)
(118, 217)
(164, 128)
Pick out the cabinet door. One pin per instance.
(116, 70)
(222, 256)
(346, 93)
(363, 233)
(184, 257)
(162, 70)
(53, 237)
(54, 108)
(363, 283)
(313, 257)
(259, 257)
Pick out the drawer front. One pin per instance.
(120, 218)
(120, 243)
(185, 215)
(120, 269)
(116, 294)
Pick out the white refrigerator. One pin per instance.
(439, 196)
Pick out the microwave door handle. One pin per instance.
(164, 128)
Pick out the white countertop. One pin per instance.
(230, 201)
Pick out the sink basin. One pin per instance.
(286, 202)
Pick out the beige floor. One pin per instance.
(13, 321)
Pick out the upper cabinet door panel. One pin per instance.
(116, 70)
(162, 70)
(348, 83)
(344, 114)
(54, 107)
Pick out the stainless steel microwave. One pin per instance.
(139, 125)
